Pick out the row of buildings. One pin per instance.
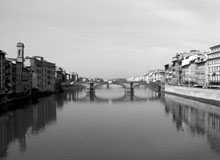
(154, 75)
(193, 68)
(150, 76)
(188, 68)
(23, 76)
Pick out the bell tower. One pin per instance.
(20, 52)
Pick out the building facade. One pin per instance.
(35, 65)
(19, 74)
(26, 81)
(213, 64)
(201, 71)
(176, 69)
(194, 70)
(158, 75)
(19, 69)
(74, 76)
(2, 72)
(148, 77)
(155, 75)
(43, 73)
(8, 75)
(187, 68)
(48, 76)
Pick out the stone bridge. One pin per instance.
(126, 97)
(128, 86)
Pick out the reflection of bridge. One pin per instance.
(128, 86)
(128, 96)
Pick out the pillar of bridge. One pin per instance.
(92, 95)
(130, 88)
(130, 94)
(91, 91)
(91, 86)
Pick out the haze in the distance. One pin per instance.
(109, 38)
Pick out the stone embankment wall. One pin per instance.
(194, 93)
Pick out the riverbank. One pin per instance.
(13, 98)
(172, 100)
(209, 96)
(9, 99)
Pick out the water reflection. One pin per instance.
(100, 96)
(197, 118)
(138, 129)
(16, 124)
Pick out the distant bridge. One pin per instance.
(126, 97)
(128, 86)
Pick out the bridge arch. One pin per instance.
(156, 86)
(107, 83)
(140, 84)
(83, 85)
(153, 85)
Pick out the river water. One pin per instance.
(110, 125)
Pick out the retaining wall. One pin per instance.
(204, 95)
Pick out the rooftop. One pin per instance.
(20, 44)
(2, 52)
(216, 46)
(39, 58)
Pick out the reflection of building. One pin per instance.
(14, 126)
(213, 135)
(65, 97)
(195, 117)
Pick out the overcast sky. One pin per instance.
(109, 38)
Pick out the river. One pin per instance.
(110, 125)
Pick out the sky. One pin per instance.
(108, 38)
